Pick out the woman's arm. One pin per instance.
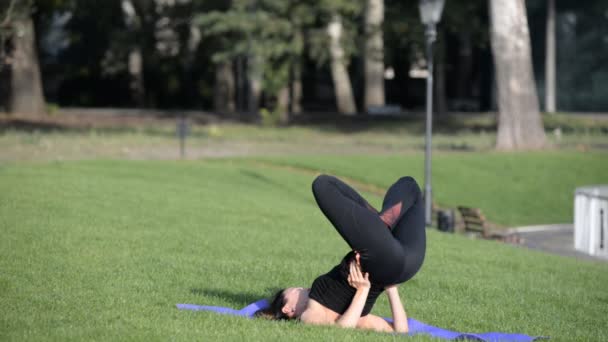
(380, 324)
(361, 282)
(350, 318)
(399, 317)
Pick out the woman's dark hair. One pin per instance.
(275, 310)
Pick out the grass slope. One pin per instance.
(511, 188)
(104, 250)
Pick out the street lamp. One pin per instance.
(430, 13)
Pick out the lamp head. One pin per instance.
(430, 11)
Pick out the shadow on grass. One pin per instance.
(50, 124)
(412, 123)
(240, 298)
(30, 127)
(280, 186)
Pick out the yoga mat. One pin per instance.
(416, 327)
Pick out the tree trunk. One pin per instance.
(26, 96)
(465, 66)
(136, 71)
(189, 85)
(283, 105)
(255, 66)
(241, 81)
(550, 59)
(339, 73)
(441, 101)
(223, 98)
(519, 122)
(374, 54)
(136, 59)
(296, 88)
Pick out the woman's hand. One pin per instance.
(356, 278)
(359, 281)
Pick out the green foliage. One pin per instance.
(10, 11)
(52, 108)
(275, 33)
(469, 19)
(263, 33)
(572, 123)
(270, 118)
(112, 246)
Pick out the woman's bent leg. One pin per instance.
(363, 230)
(403, 207)
(347, 191)
(398, 199)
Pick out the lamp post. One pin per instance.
(430, 13)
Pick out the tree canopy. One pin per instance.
(88, 52)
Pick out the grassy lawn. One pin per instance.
(471, 133)
(103, 250)
(512, 189)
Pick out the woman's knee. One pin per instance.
(409, 183)
(321, 182)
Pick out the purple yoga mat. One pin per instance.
(416, 327)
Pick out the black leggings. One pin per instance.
(391, 256)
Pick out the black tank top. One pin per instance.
(332, 290)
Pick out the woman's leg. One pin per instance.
(398, 199)
(403, 212)
(348, 192)
(382, 255)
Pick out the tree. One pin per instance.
(463, 31)
(261, 32)
(519, 121)
(374, 54)
(276, 34)
(339, 72)
(341, 18)
(224, 90)
(550, 58)
(25, 88)
(135, 63)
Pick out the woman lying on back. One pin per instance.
(381, 258)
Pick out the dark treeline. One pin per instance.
(280, 56)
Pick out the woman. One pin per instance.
(381, 258)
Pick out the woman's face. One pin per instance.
(296, 299)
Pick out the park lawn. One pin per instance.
(512, 189)
(103, 250)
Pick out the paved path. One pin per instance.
(556, 238)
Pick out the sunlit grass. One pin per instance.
(468, 133)
(511, 188)
(103, 250)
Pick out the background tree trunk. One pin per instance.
(254, 65)
(296, 88)
(135, 61)
(465, 66)
(550, 59)
(374, 54)
(519, 121)
(283, 105)
(224, 92)
(342, 87)
(136, 71)
(441, 101)
(26, 96)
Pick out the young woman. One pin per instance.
(388, 248)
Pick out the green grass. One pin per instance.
(103, 250)
(512, 189)
(158, 140)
